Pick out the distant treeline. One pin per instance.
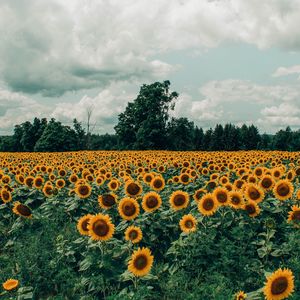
(146, 124)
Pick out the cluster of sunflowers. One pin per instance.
(133, 183)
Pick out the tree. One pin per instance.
(143, 123)
(198, 138)
(207, 139)
(80, 135)
(217, 142)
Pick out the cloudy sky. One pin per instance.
(230, 60)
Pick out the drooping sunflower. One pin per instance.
(128, 208)
(251, 208)
(279, 285)
(294, 214)
(221, 195)
(10, 284)
(6, 195)
(82, 224)
(151, 201)
(133, 189)
(100, 227)
(283, 189)
(179, 200)
(107, 201)
(254, 192)
(22, 210)
(267, 182)
(207, 205)
(141, 262)
(83, 190)
(157, 183)
(188, 223)
(236, 199)
(241, 295)
(133, 234)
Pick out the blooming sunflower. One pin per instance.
(283, 189)
(6, 196)
(279, 285)
(236, 199)
(240, 295)
(128, 208)
(100, 227)
(113, 185)
(133, 234)
(294, 214)
(83, 190)
(221, 195)
(133, 189)
(267, 182)
(157, 183)
(48, 190)
(188, 223)
(151, 201)
(22, 210)
(251, 208)
(179, 200)
(198, 194)
(82, 224)
(254, 192)
(38, 182)
(107, 201)
(207, 205)
(10, 284)
(141, 262)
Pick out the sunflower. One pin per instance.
(100, 227)
(10, 284)
(221, 195)
(60, 183)
(6, 196)
(128, 208)
(73, 178)
(283, 189)
(207, 205)
(147, 178)
(133, 234)
(198, 194)
(188, 223)
(141, 262)
(251, 208)
(29, 181)
(179, 200)
(133, 189)
(240, 295)
(294, 214)
(267, 182)
(254, 192)
(236, 199)
(151, 201)
(279, 285)
(38, 182)
(48, 190)
(184, 178)
(22, 210)
(157, 183)
(107, 201)
(83, 190)
(82, 224)
(113, 185)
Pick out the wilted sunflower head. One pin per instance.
(22, 210)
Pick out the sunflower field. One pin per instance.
(150, 225)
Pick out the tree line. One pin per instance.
(146, 124)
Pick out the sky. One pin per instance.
(231, 61)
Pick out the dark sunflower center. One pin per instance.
(133, 189)
(133, 234)
(211, 185)
(266, 183)
(185, 178)
(140, 262)
(208, 204)
(100, 227)
(250, 209)
(189, 224)
(83, 190)
(296, 215)
(113, 185)
(152, 202)
(283, 189)
(129, 209)
(235, 200)
(279, 285)
(108, 200)
(24, 210)
(254, 194)
(276, 174)
(222, 197)
(49, 190)
(85, 224)
(148, 178)
(179, 200)
(38, 182)
(5, 195)
(157, 183)
(29, 181)
(258, 172)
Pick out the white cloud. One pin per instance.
(283, 71)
